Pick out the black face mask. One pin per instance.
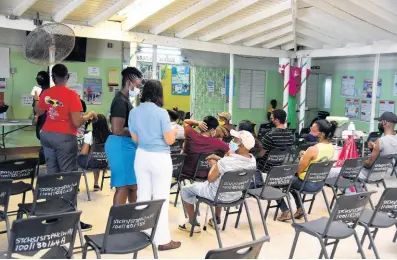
(380, 127)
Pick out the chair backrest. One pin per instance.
(33, 234)
(351, 168)
(280, 176)
(277, 156)
(349, 208)
(18, 169)
(318, 172)
(380, 167)
(97, 158)
(177, 164)
(133, 217)
(234, 182)
(373, 136)
(176, 148)
(202, 164)
(5, 188)
(249, 250)
(57, 185)
(387, 202)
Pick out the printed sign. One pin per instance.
(92, 91)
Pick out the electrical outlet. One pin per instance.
(13, 70)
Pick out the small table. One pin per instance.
(18, 123)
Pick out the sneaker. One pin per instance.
(187, 227)
(170, 246)
(211, 223)
(85, 227)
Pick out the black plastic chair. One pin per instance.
(124, 230)
(346, 179)
(394, 172)
(202, 166)
(276, 157)
(5, 190)
(380, 166)
(97, 160)
(381, 217)
(317, 172)
(19, 170)
(300, 148)
(54, 193)
(48, 232)
(249, 250)
(176, 148)
(340, 225)
(177, 163)
(230, 182)
(276, 187)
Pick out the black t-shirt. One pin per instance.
(121, 107)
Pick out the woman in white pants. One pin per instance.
(150, 127)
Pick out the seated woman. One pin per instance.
(99, 135)
(323, 150)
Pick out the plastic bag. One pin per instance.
(349, 151)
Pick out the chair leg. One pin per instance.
(311, 203)
(85, 249)
(177, 193)
(326, 201)
(226, 217)
(267, 208)
(334, 249)
(249, 219)
(395, 236)
(290, 208)
(322, 253)
(370, 200)
(86, 185)
(218, 235)
(238, 216)
(103, 178)
(323, 248)
(303, 207)
(362, 239)
(374, 235)
(360, 248)
(154, 247)
(276, 213)
(334, 197)
(8, 228)
(371, 242)
(263, 216)
(135, 255)
(81, 235)
(291, 254)
(98, 254)
(384, 184)
(195, 218)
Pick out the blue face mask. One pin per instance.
(233, 146)
(134, 92)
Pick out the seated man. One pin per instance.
(278, 137)
(386, 145)
(240, 160)
(174, 125)
(198, 143)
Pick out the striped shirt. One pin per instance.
(276, 138)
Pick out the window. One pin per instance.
(327, 92)
(252, 89)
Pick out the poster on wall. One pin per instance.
(78, 88)
(92, 91)
(367, 88)
(27, 100)
(113, 77)
(226, 82)
(73, 78)
(3, 83)
(386, 106)
(365, 110)
(180, 81)
(210, 86)
(348, 86)
(352, 109)
(395, 85)
(93, 71)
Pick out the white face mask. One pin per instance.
(134, 92)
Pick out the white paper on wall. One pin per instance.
(27, 100)
(5, 62)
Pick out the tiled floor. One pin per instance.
(96, 211)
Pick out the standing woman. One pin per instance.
(120, 148)
(150, 128)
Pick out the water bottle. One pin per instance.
(351, 127)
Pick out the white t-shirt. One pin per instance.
(180, 130)
(88, 138)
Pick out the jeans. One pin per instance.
(296, 185)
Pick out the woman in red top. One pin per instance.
(64, 117)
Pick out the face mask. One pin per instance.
(134, 92)
(221, 123)
(233, 146)
(380, 127)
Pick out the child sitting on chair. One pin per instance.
(98, 135)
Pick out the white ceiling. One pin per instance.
(270, 24)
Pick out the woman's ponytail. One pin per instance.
(334, 125)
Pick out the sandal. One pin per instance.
(285, 216)
(170, 246)
(298, 214)
(97, 188)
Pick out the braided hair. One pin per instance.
(130, 74)
(100, 130)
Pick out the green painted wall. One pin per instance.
(338, 102)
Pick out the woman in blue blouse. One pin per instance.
(150, 128)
